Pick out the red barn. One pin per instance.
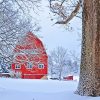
(30, 58)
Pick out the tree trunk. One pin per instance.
(60, 72)
(89, 82)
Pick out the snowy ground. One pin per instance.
(24, 89)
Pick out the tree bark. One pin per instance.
(89, 82)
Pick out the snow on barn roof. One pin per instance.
(29, 42)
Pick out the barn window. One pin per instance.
(29, 65)
(17, 66)
(41, 66)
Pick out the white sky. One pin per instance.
(57, 35)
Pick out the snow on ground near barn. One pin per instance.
(24, 89)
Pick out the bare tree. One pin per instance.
(15, 22)
(58, 60)
(63, 63)
(75, 62)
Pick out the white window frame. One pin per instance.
(41, 66)
(17, 66)
(28, 65)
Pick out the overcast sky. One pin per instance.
(57, 35)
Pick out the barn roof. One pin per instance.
(29, 43)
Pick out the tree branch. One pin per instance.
(74, 13)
